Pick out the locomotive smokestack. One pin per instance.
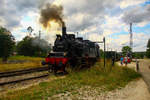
(64, 30)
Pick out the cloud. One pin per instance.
(127, 3)
(137, 14)
(18, 34)
(142, 24)
(92, 12)
(139, 43)
(117, 42)
(113, 24)
(12, 11)
(86, 13)
(78, 22)
(95, 37)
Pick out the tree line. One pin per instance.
(127, 51)
(34, 46)
(28, 46)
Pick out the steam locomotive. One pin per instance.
(71, 51)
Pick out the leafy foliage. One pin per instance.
(139, 55)
(126, 50)
(101, 53)
(6, 43)
(148, 44)
(33, 47)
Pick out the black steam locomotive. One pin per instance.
(72, 51)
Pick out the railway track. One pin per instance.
(20, 80)
(22, 72)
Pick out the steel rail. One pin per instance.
(16, 81)
(20, 72)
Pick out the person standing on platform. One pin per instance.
(121, 60)
(126, 60)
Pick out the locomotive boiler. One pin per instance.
(72, 51)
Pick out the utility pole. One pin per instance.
(131, 39)
(115, 54)
(104, 51)
(77, 34)
(131, 36)
(39, 34)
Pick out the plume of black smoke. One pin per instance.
(51, 13)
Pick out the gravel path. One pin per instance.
(135, 90)
(140, 90)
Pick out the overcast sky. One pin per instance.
(93, 19)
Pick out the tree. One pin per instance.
(101, 53)
(6, 43)
(30, 30)
(126, 50)
(148, 44)
(33, 47)
(139, 55)
(148, 49)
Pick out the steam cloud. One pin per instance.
(51, 13)
(40, 43)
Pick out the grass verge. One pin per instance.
(20, 62)
(110, 78)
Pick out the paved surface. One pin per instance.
(144, 69)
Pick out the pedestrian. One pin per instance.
(113, 60)
(129, 61)
(121, 60)
(137, 65)
(126, 60)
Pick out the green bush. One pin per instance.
(33, 47)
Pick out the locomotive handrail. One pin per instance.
(98, 42)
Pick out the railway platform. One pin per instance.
(144, 69)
